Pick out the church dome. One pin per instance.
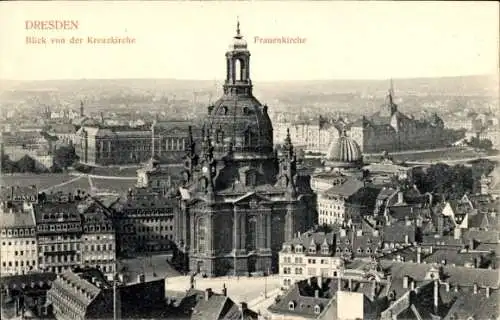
(238, 121)
(241, 122)
(344, 152)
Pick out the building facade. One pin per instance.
(18, 239)
(311, 254)
(127, 145)
(314, 136)
(59, 232)
(145, 221)
(390, 130)
(98, 246)
(239, 202)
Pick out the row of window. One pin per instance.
(9, 243)
(337, 214)
(60, 247)
(150, 237)
(59, 227)
(18, 263)
(18, 232)
(98, 228)
(99, 247)
(59, 259)
(22, 252)
(288, 270)
(147, 228)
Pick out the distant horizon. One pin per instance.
(277, 80)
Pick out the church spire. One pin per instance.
(238, 34)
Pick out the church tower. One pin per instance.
(238, 67)
(238, 204)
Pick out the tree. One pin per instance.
(64, 156)
(26, 164)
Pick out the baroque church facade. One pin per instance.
(240, 201)
(390, 130)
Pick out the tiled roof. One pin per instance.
(57, 211)
(211, 308)
(397, 232)
(453, 274)
(37, 278)
(18, 218)
(346, 189)
(9, 193)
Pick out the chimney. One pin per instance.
(316, 293)
(400, 197)
(419, 255)
(320, 282)
(475, 288)
(412, 284)
(487, 292)
(405, 282)
(224, 290)
(208, 293)
(342, 232)
(431, 250)
(407, 240)
(457, 233)
(244, 306)
(141, 278)
(373, 289)
(471, 244)
(436, 296)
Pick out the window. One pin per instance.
(291, 305)
(312, 249)
(317, 309)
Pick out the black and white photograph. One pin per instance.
(249, 160)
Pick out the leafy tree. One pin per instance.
(64, 156)
(482, 166)
(8, 166)
(26, 164)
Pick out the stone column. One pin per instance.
(268, 230)
(237, 230)
(261, 231)
(192, 235)
(243, 230)
(210, 233)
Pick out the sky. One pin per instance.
(188, 40)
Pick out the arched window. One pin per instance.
(291, 305)
(201, 231)
(238, 70)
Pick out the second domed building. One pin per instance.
(343, 153)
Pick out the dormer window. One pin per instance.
(325, 249)
(298, 249)
(291, 305)
(312, 249)
(317, 309)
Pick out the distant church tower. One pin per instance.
(82, 111)
(389, 107)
